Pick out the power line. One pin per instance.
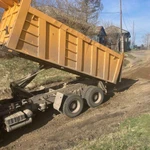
(121, 39)
(125, 23)
(133, 36)
(130, 22)
(110, 12)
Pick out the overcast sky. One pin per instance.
(137, 11)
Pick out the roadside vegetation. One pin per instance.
(127, 57)
(17, 68)
(132, 134)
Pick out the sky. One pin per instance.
(137, 11)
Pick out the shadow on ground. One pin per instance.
(42, 119)
(39, 121)
(124, 85)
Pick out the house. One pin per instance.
(100, 35)
(114, 38)
(95, 33)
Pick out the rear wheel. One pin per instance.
(94, 96)
(73, 106)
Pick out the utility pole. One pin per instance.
(148, 41)
(133, 36)
(121, 35)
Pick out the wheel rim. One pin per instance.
(74, 106)
(96, 97)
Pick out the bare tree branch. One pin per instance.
(81, 15)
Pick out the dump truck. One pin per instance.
(35, 36)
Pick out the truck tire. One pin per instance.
(73, 106)
(94, 96)
(86, 91)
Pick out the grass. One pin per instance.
(16, 68)
(133, 134)
(127, 56)
(125, 62)
(130, 56)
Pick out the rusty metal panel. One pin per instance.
(33, 33)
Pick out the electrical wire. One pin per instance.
(125, 23)
(110, 12)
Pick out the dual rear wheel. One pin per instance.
(94, 96)
(73, 104)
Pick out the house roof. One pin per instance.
(115, 29)
(99, 29)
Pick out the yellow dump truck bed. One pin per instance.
(31, 32)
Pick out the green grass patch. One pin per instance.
(133, 134)
(128, 55)
(125, 62)
(17, 68)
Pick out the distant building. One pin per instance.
(100, 35)
(113, 38)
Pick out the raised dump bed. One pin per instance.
(41, 38)
(31, 32)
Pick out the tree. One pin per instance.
(107, 23)
(81, 15)
(1, 12)
(88, 12)
(146, 40)
(34, 3)
(88, 9)
(113, 38)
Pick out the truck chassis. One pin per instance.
(67, 98)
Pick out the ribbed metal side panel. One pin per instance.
(47, 39)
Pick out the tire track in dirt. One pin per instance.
(51, 130)
(63, 132)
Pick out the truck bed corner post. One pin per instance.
(17, 29)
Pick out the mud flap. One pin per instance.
(58, 101)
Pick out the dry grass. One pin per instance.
(16, 68)
(133, 134)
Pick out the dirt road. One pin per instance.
(52, 130)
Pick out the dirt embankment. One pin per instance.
(52, 130)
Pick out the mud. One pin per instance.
(52, 131)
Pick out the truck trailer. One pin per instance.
(36, 36)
